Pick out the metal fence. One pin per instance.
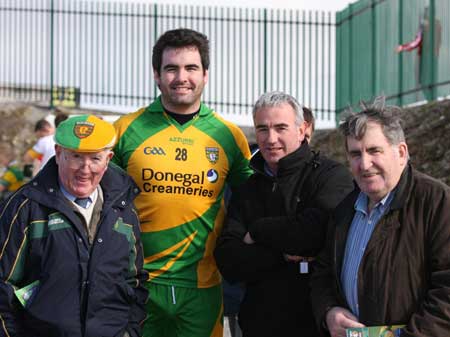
(98, 54)
(368, 33)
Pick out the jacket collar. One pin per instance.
(287, 164)
(403, 188)
(344, 214)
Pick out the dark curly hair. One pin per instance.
(179, 38)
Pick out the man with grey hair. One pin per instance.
(387, 259)
(277, 222)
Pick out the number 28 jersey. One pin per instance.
(181, 171)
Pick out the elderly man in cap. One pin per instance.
(70, 250)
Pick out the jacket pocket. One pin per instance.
(127, 230)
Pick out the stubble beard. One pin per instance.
(183, 102)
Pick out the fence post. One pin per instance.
(338, 69)
(432, 24)
(400, 55)
(329, 66)
(374, 48)
(155, 26)
(52, 19)
(350, 56)
(265, 50)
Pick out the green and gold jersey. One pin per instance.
(12, 179)
(181, 171)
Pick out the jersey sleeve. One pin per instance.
(240, 169)
(34, 154)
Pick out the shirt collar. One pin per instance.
(268, 171)
(362, 201)
(72, 198)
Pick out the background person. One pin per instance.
(277, 220)
(44, 148)
(12, 176)
(44, 131)
(309, 123)
(181, 154)
(387, 259)
(71, 256)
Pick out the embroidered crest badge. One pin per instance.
(83, 129)
(212, 154)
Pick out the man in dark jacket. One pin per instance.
(387, 260)
(276, 222)
(70, 250)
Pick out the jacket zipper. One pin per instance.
(274, 186)
(85, 284)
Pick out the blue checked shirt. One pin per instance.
(359, 235)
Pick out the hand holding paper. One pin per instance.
(338, 319)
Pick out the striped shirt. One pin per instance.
(358, 237)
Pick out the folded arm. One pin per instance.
(304, 233)
(241, 261)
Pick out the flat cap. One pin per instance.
(85, 133)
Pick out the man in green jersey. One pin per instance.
(181, 154)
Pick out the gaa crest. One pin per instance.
(212, 154)
(83, 129)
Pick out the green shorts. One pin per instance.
(184, 312)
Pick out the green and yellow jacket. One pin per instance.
(74, 287)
